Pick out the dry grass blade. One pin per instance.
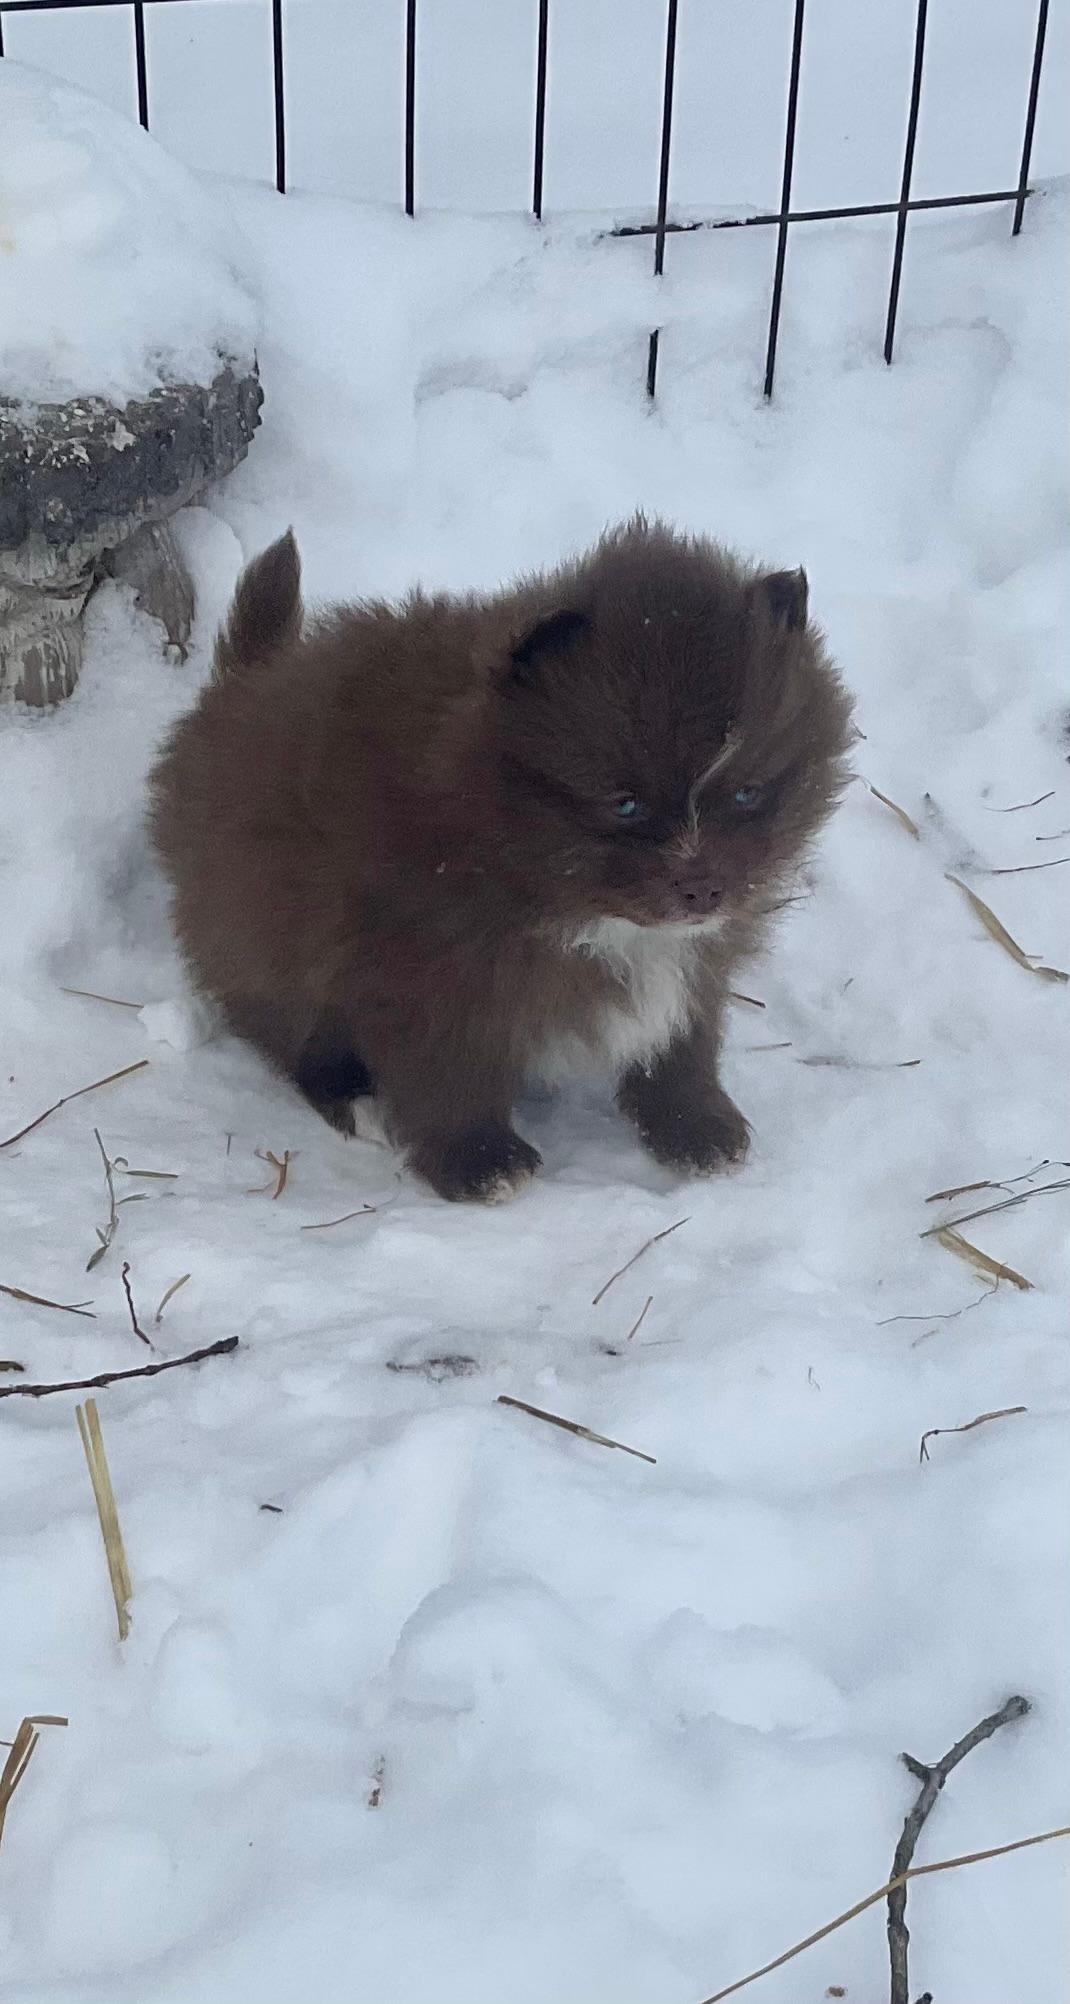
(1060, 835)
(105, 1378)
(42, 1301)
(281, 1166)
(169, 1295)
(19, 1757)
(882, 1892)
(151, 1175)
(97, 1462)
(839, 1064)
(1020, 869)
(90, 995)
(573, 1426)
(328, 1225)
(997, 930)
(1021, 805)
(982, 1262)
(942, 1314)
(69, 1097)
(1004, 1412)
(629, 1263)
(640, 1318)
(769, 1047)
(900, 813)
(751, 1001)
(1005, 1204)
(114, 1203)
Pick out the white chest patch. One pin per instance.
(652, 967)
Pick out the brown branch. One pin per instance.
(1004, 1412)
(1020, 869)
(128, 1291)
(90, 995)
(570, 1426)
(932, 1780)
(42, 1301)
(104, 1378)
(751, 1001)
(629, 1263)
(871, 1899)
(640, 1318)
(67, 1099)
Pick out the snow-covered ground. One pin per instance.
(629, 1730)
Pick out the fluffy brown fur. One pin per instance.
(433, 851)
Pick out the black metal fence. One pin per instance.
(782, 219)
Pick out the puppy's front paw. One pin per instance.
(483, 1165)
(698, 1139)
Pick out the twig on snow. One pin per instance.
(981, 1261)
(997, 930)
(114, 1203)
(629, 1263)
(68, 1097)
(900, 813)
(104, 1378)
(573, 1426)
(90, 995)
(128, 1291)
(932, 1781)
(169, 1296)
(1004, 1412)
(1020, 805)
(941, 1315)
(281, 1165)
(1006, 1204)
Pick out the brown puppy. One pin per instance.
(432, 852)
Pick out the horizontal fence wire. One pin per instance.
(664, 226)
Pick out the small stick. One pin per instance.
(900, 813)
(860, 1906)
(1006, 1204)
(932, 1780)
(169, 1296)
(20, 1756)
(1021, 805)
(861, 1064)
(151, 1175)
(751, 1000)
(1004, 1412)
(994, 1182)
(366, 1211)
(114, 1204)
(1019, 869)
(954, 1242)
(573, 1426)
(637, 1325)
(1059, 835)
(645, 1248)
(9, 1364)
(90, 995)
(997, 930)
(42, 1301)
(281, 1165)
(769, 1047)
(125, 1278)
(69, 1097)
(104, 1378)
(97, 1462)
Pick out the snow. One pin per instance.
(115, 260)
(637, 1727)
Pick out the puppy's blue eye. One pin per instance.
(626, 807)
(747, 798)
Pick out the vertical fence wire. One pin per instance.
(280, 96)
(908, 172)
(410, 108)
(540, 108)
(785, 198)
(663, 182)
(141, 65)
(1030, 117)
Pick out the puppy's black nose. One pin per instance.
(698, 892)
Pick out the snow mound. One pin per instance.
(114, 258)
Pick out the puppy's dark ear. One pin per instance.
(786, 594)
(551, 635)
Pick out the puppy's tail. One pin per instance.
(266, 614)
